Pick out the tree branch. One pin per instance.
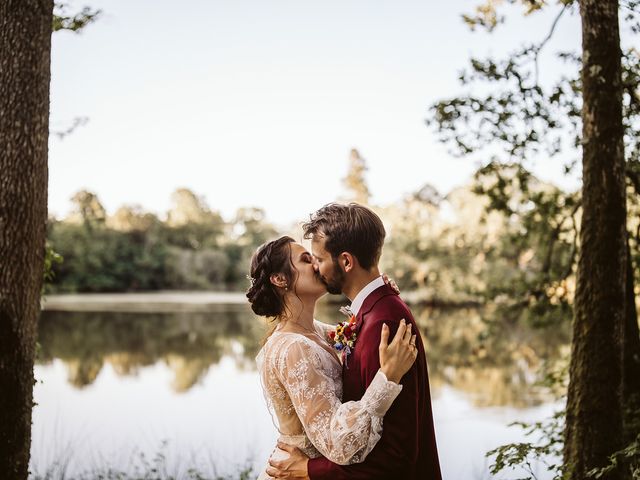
(546, 39)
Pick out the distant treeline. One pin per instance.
(194, 248)
(441, 249)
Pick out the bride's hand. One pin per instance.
(391, 283)
(396, 358)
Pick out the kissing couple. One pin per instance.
(331, 388)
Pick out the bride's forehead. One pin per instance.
(298, 251)
(296, 248)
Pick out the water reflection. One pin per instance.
(189, 343)
(494, 363)
(494, 366)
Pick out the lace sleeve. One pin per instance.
(323, 329)
(344, 433)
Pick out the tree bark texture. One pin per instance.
(25, 57)
(594, 405)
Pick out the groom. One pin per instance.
(346, 241)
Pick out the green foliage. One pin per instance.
(509, 120)
(507, 240)
(627, 459)
(547, 450)
(515, 120)
(248, 230)
(193, 236)
(548, 435)
(133, 250)
(517, 116)
(202, 269)
(51, 258)
(74, 22)
(102, 259)
(486, 14)
(520, 121)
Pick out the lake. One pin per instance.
(118, 387)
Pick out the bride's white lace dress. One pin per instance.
(302, 382)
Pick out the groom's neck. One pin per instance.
(358, 279)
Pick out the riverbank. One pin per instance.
(178, 300)
(169, 300)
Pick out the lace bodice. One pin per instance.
(302, 382)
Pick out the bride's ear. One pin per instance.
(278, 280)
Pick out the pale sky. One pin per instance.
(258, 102)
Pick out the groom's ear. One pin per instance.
(347, 261)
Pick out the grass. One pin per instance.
(141, 467)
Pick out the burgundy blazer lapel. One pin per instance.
(370, 301)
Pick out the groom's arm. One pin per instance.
(396, 452)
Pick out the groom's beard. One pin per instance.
(335, 283)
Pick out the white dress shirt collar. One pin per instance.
(359, 299)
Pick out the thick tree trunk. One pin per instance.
(25, 48)
(594, 406)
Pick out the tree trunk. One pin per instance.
(25, 50)
(594, 405)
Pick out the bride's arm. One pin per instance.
(344, 433)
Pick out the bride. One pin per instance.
(300, 370)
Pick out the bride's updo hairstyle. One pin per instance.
(273, 257)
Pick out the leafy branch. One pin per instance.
(75, 22)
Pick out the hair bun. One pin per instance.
(264, 300)
(270, 258)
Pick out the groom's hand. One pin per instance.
(293, 467)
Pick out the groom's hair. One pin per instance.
(349, 228)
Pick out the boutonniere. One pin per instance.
(343, 338)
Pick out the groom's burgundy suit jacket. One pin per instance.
(407, 449)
